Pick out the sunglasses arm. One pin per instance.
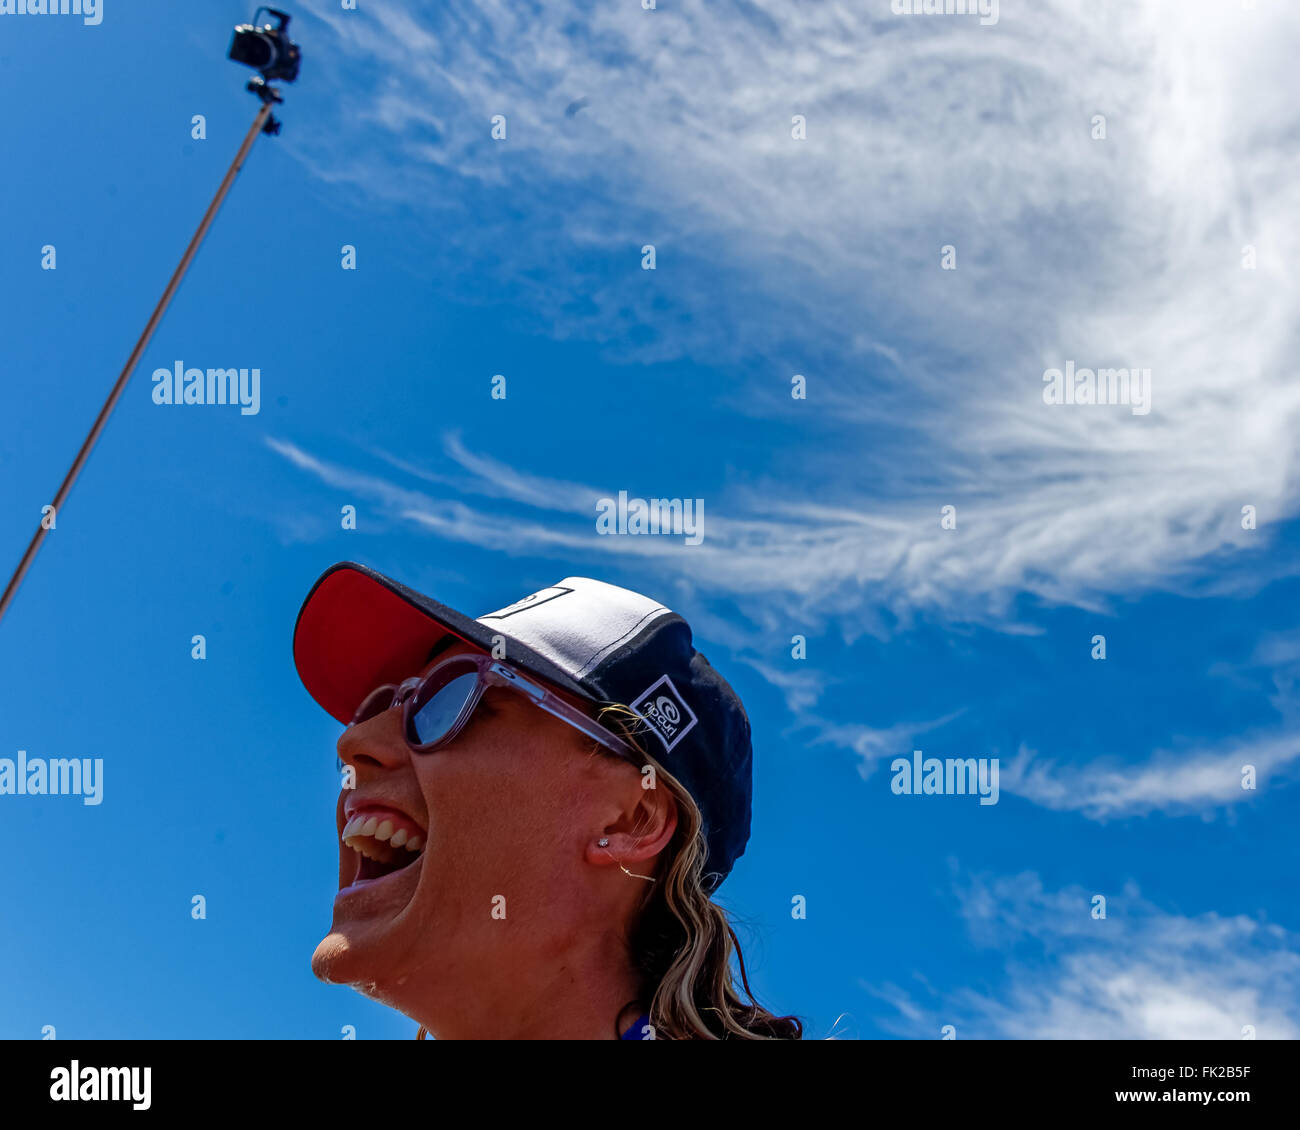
(556, 706)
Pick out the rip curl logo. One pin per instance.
(528, 602)
(666, 711)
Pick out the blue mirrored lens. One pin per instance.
(439, 714)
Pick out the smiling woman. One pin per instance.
(499, 876)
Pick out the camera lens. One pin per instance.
(253, 49)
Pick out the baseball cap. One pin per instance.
(358, 629)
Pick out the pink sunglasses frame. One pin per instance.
(490, 673)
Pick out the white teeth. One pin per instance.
(368, 849)
(375, 838)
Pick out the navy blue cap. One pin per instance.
(358, 629)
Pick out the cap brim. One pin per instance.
(358, 629)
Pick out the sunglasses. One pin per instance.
(439, 705)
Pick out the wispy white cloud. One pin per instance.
(1198, 780)
(1139, 973)
(822, 257)
(874, 745)
(446, 517)
(1276, 656)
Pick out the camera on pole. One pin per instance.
(268, 49)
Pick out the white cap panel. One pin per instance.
(576, 623)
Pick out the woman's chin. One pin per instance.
(337, 960)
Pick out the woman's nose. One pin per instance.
(376, 742)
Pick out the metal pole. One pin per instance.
(258, 123)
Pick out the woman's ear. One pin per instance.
(640, 832)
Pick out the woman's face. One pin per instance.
(505, 817)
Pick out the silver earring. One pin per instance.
(603, 843)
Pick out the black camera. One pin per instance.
(266, 48)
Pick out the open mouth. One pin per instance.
(386, 841)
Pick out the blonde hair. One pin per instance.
(682, 941)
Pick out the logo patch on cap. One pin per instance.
(528, 602)
(666, 712)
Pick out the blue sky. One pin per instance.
(774, 257)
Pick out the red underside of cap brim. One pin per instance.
(354, 634)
